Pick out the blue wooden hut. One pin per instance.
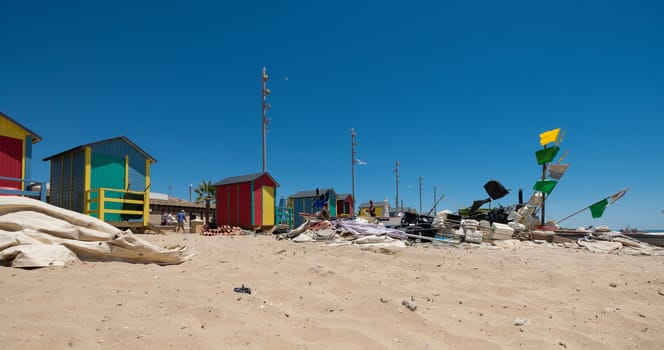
(107, 179)
(310, 201)
(16, 160)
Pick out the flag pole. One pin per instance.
(543, 194)
(573, 214)
(614, 197)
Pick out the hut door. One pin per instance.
(268, 206)
(11, 159)
(108, 172)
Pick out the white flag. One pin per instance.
(614, 197)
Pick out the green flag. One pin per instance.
(546, 155)
(545, 186)
(597, 209)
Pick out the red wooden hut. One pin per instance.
(246, 201)
(345, 205)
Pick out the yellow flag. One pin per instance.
(549, 136)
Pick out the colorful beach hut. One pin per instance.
(108, 179)
(382, 208)
(345, 205)
(247, 201)
(309, 202)
(16, 160)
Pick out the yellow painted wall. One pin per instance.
(268, 206)
(364, 211)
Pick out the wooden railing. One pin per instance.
(284, 216)
(40, 194)
(98, 200)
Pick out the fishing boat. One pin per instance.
(654, 238)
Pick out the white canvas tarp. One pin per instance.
(36, 234)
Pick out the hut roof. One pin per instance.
(311, 193)
(244, 178)
(123, 138)
(343, 196)
(36, 138)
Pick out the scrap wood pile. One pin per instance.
(223, 230)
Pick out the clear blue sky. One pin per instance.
(456, 91)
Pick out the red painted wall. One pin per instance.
(234, 216)
(222, 204)
(244, 207)
(234, 205)
(258, 205)
(11, 161)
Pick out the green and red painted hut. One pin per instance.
(247, 201)
(345, 205)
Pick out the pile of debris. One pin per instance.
(460, 233)
(223, 230)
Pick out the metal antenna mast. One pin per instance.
(352, 164)
(265, 106)
(396, 170)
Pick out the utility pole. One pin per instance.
(190, 186)
(420, 195)
(396, 170)
(435, 201)
(352, 164)
(265, 106)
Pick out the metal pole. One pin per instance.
(396, 170)
(352, 164)
(265, 106)
(190, 185)
(543, 194)
(435, 202)
(420, 195)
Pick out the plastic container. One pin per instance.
(501, 231)
(196, 226)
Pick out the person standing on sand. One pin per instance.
(372, 209)
(181, 220)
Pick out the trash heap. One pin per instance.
(463, 233)
(479, 225)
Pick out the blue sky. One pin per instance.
(456, 91)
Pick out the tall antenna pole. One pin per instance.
(435, 201)
(396, 170)
(420, 194)
(352, 164)
(265, 106)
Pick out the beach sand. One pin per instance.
(317, 296)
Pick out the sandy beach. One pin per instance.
(317, 296)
